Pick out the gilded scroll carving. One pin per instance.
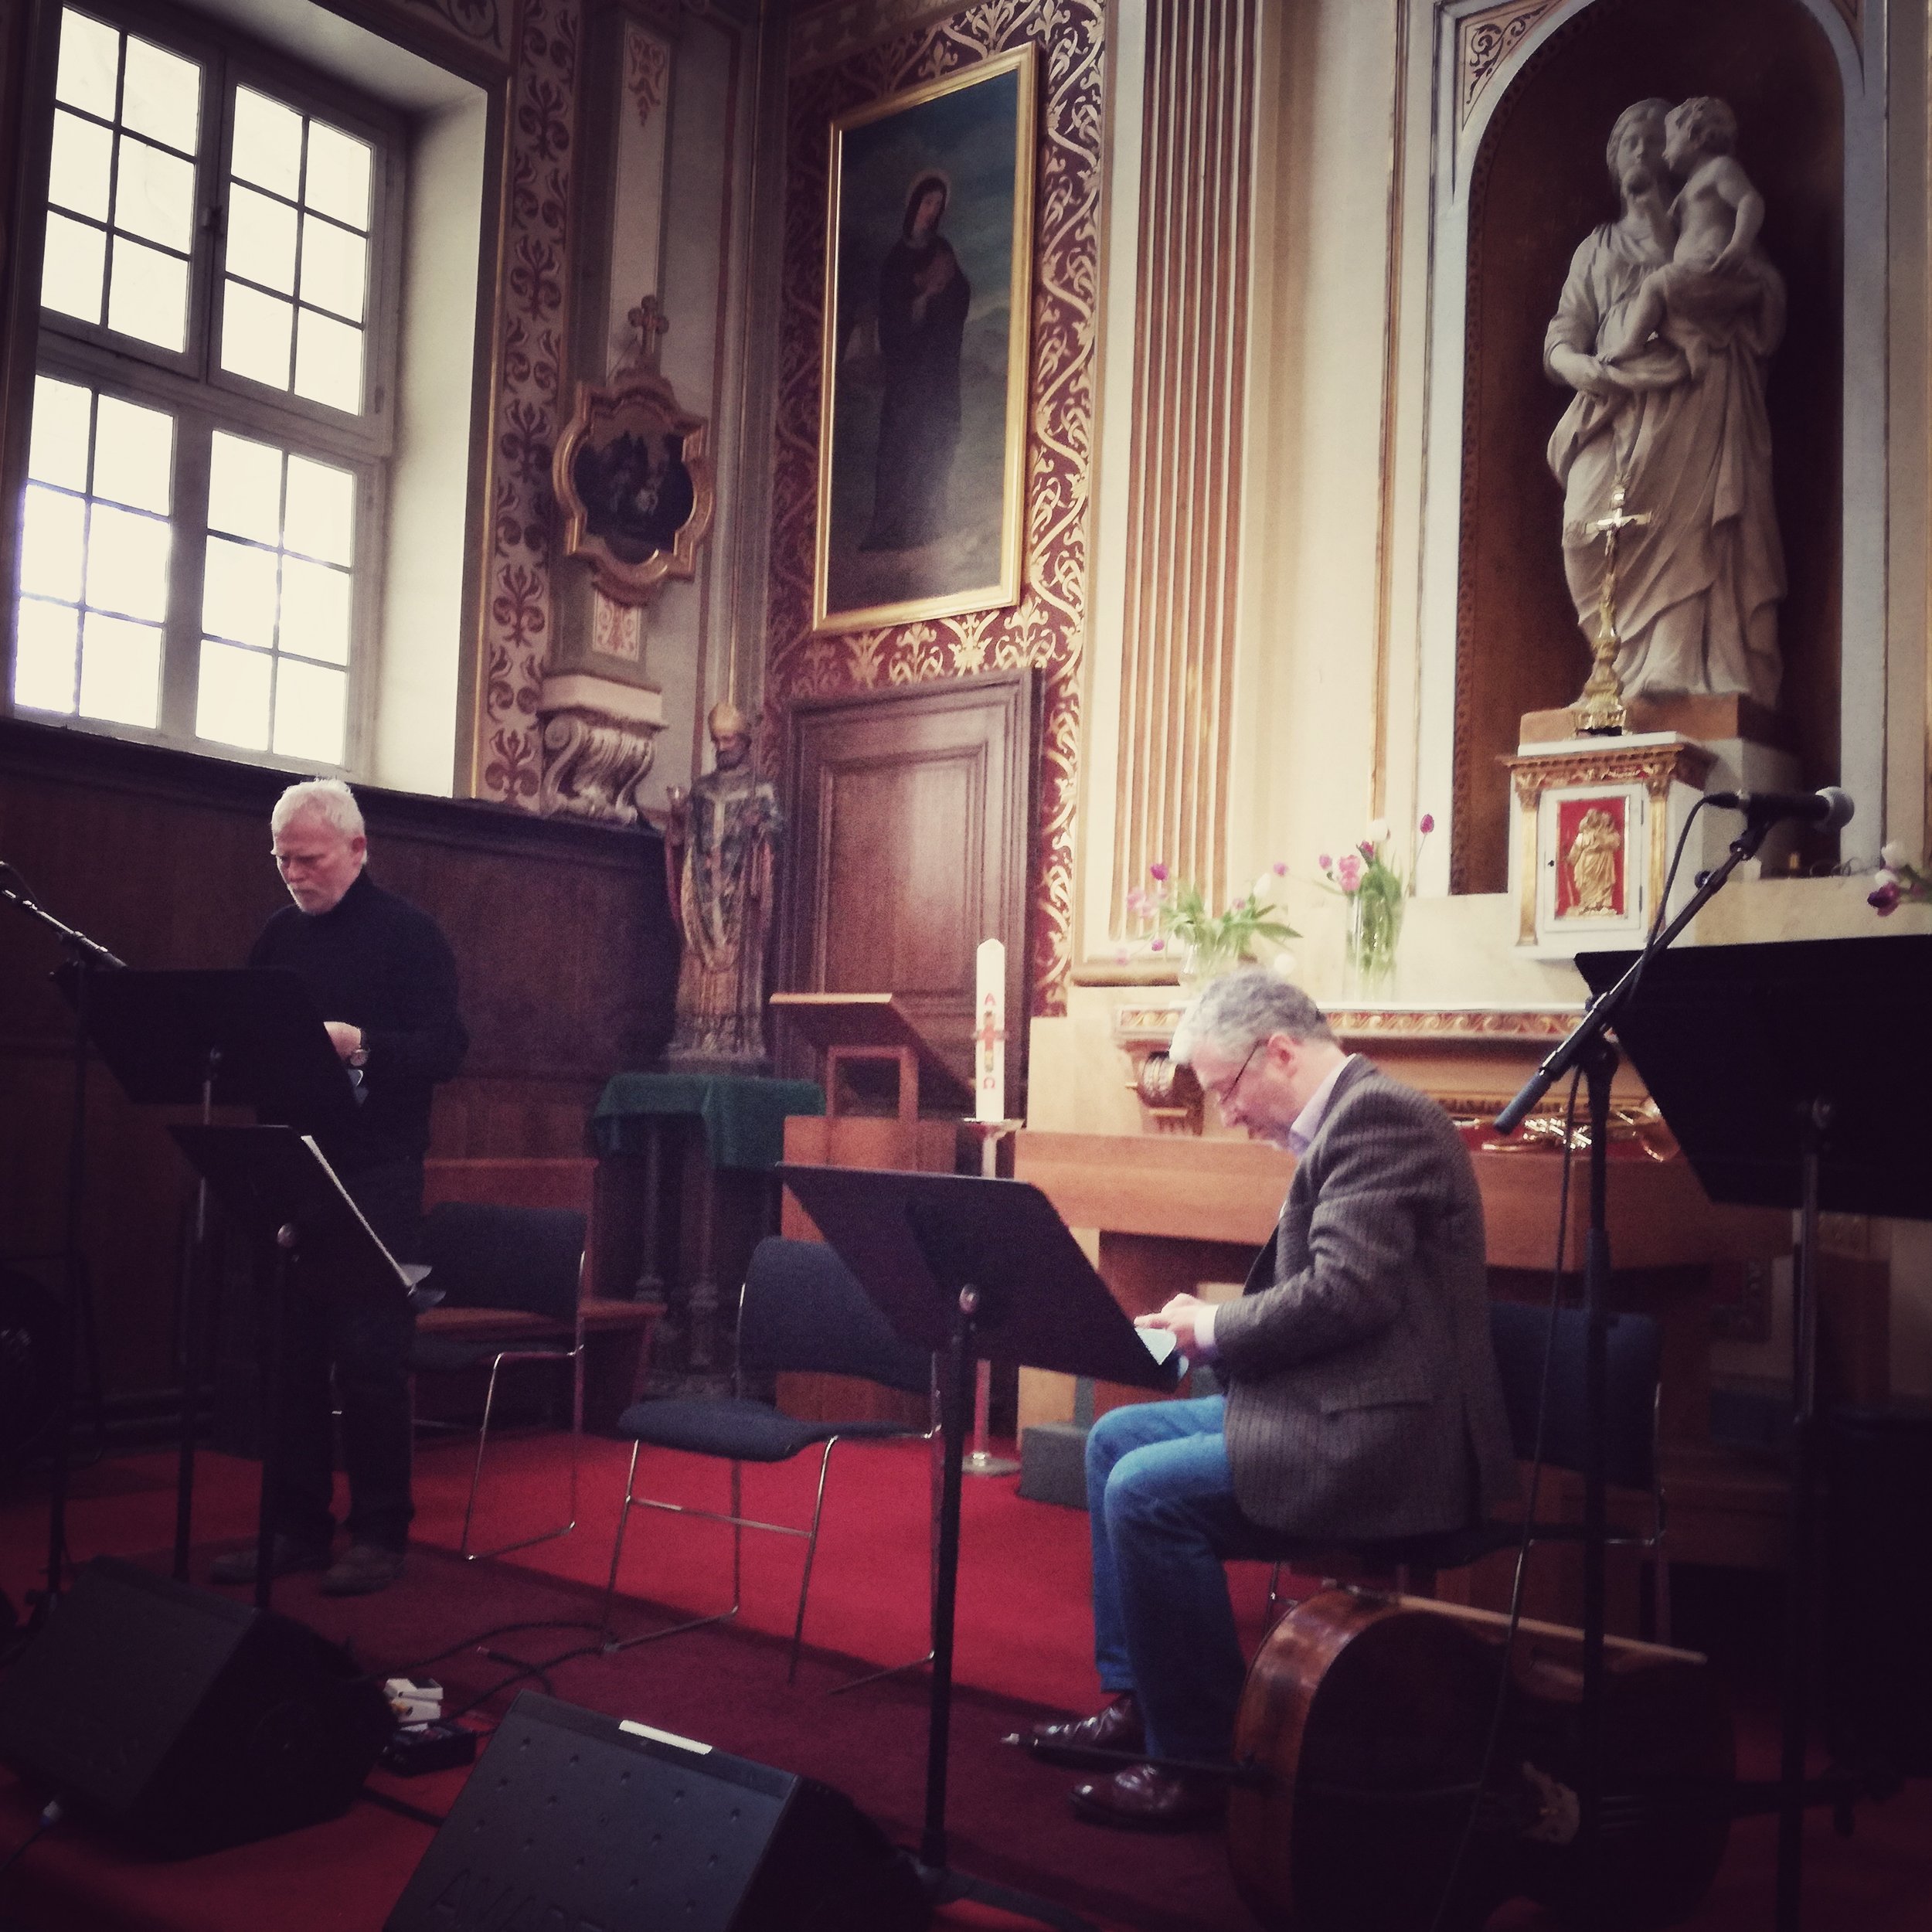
(594, 765)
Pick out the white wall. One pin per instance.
(414, 735)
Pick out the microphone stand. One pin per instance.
(1589, 1045)
(84, 956)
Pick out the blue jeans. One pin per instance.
(1161, 1500)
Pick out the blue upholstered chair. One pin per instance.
(800, 1311)
(509, 1285)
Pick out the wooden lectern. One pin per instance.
(873, 1029)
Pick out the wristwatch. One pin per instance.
(360, 1056)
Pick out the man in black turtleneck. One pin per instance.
(383, 976)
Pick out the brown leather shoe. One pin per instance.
(1115, 1727)
(1144, 1798)
(362, 1569)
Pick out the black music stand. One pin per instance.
(1761, 1061)
(275, 1182)
(250, 1036)
(973, 1268)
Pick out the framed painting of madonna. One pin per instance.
(922, 439)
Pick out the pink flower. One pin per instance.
(1138, 902)
(1325, 862)
(1884, 899)
(1348, 873)
(1366, 849)
(1239, 906)
(1281, 868)
(1159, 870)
(1156, 945)
(1428, 823)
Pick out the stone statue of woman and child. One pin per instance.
(1667, 323)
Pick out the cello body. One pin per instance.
(1373, 1715)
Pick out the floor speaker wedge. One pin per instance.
(571, 1818)
(184, 1721)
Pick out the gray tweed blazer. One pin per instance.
(1363, 1398)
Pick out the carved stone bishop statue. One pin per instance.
(1668, 322)
(720, 849)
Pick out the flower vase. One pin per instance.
(1375, 929)
(1204, 959)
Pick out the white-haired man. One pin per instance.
(385, 979)
(1362, 1398)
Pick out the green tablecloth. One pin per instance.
(744, 1118)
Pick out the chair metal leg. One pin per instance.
(811, 1550)
(938, 1459)
(470, 1555)
(631, 1501)
(617, 1546)
(476, 1475)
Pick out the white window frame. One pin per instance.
(201, 397)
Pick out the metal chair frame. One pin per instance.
(521, 1352)
(738, 1523)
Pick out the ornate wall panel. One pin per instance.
(1177, 676)
(485, 26)
(831, 74)
(527, 408)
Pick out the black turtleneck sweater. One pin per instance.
(376, 961)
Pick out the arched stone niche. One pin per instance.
(1520, 181)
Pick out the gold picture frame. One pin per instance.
(923, 378)
(633, 477)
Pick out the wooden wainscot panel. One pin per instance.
(1219, 1190)
(564, 949)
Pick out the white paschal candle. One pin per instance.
(989, 1031)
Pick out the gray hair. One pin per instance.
(1232, 1013)
(1655, 108)
(328, 799)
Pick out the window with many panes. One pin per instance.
(211, 413)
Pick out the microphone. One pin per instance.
(1828, 808)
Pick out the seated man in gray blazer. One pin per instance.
(1361, 1396)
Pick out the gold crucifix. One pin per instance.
(1599, 713)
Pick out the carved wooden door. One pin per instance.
(909, 814)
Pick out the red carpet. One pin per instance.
(1022, 1644)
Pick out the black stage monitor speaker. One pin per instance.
(575, 1819)
(183, 1720)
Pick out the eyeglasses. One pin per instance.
(1221, 1096)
